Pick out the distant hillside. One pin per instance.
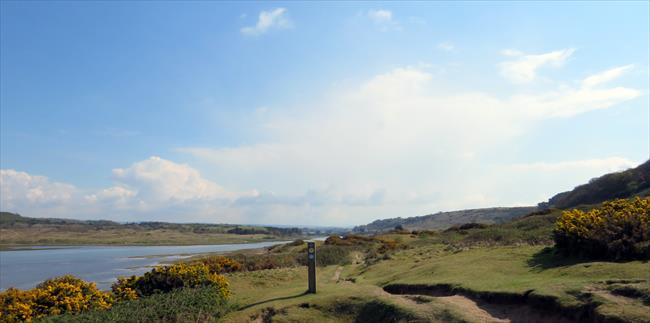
(9, 220)
(443, 220)
(628, 183)
(20, 230)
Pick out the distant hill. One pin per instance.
(443, 220)
(625, 184)
(16, 230)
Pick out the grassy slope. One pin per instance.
(492, 259)
(443, 220)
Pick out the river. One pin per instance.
(26, 267)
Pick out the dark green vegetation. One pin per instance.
(184, 305)
(17, 230)
(443, 220)
(629, 183)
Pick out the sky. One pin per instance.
(314, 113)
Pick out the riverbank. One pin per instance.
(100, 264)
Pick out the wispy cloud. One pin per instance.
(524, 68)
(446, 46)
(602, 165)
(268, 20)
(605, 76)
(383, 19)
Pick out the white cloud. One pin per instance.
(20, 189)
(157, 179)
(397, 133)
(524, 68)
(568, 102)
(511, 52)
(446, 46)
(154, 188)
(601, 166)
(396, 144)
(384, 19)
(381, 16)
(605, 76)
(267, 20)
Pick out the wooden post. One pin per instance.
(311, 265)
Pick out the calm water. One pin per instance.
(26, 268)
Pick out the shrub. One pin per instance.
(220, 264)
(267, 261)
(349, 240)
(620, 229)
(164, 279)
(65, 294)
(179, 306)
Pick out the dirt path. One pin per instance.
(473, 310)
(337, 274)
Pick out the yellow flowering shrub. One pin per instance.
(164, 279)
(619, 229)
(124, 288)
(71, 295)
(65, 294)
(16, 305)
(220, 264)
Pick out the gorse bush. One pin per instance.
(164, 279)
(70, 295)
(66, 294)
(220, 264)
(619, 230)
(184, 305)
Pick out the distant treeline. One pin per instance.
(266, 230)
(12, 220)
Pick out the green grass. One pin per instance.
(514, 268)
(186, 305)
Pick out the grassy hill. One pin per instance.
(491, 273)
(628, 183)
(625, 184)
(443, 220)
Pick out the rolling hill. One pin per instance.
(628, 183)
(624, 184)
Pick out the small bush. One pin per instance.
(65, 294)
(331, 255)
(164, 279)
(619, 230)
(349, 240)
(267, 261)
(220, 264)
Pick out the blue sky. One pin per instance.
(314, 113)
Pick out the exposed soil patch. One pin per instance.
(487, 307)
(337, 274)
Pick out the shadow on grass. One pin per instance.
(550, 257)
(274, 299)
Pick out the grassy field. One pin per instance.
(450, 276)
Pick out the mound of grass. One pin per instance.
(183, 305)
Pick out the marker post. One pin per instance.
(311, 266)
